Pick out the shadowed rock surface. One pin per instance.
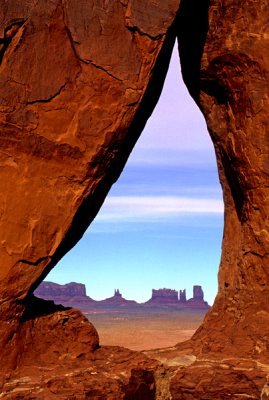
(50, 290)
(78, 81)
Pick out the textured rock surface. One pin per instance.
(111, 373)
(195, 378)
(233, 94)
(72, 80)
(75, 79)
(78, 81)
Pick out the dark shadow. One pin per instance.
(9, 33)
(191, 32)
(36, 307)
(193, 27)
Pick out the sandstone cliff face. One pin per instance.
(233, 95)
(78, 81)
(72, 81)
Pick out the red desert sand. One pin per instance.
(146, 331)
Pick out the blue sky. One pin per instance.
(161, 225)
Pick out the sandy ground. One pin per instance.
(145, 331)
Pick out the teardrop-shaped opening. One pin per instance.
(159, 228)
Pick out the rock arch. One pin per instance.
(78, 82)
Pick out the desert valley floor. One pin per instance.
(139, 330)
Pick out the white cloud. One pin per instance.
(155, 208)
(165, 157)
(165, 189)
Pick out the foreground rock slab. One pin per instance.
(196, 378)
(116, 373)
(110, 373)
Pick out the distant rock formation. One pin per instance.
(51, 289)
(117, 293)
(198, 292)
(182, 296)
(163, 297)
(197, 301)
(69, 295)
(74, 295)
(116, 301)
(171, 297)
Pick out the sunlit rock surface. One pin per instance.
(78, 82)
(233, 95)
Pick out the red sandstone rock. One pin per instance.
(228, 76)
(224, 381)
(72, 81)
(78, 81)
(111, 373)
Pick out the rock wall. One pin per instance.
(74, 81)
(227, 74)
(78, 81)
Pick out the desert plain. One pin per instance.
(145, 330)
